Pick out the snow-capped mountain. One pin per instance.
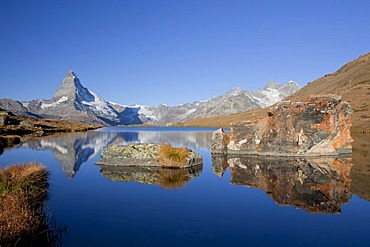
(234, 101)
(73, 101)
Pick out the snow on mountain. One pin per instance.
(99, 105)
(234, 101)
(54, 104)
(73, 101)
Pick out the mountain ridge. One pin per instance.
(351, 81)
(73, 101)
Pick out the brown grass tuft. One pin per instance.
(171, 156)
(23, 190)
(16, 216)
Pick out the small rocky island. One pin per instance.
(161, 164)
(318, 126)
(150, 155)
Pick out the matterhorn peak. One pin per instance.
(71, 87)
(71, 74)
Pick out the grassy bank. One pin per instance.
(14, 128)
(23, 192)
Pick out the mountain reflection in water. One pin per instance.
(73, 150)
(317, 185)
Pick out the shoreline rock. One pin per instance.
(319, 126)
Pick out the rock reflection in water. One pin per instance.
(72, 150)
(169, 178)
(360, 173)
(317, 185)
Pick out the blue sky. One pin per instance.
(152, 52)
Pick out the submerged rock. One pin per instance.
(144, 154)
(318, 126)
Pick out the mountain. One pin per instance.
(72, 101)
(233, 101)
(351, 81)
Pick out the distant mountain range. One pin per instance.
(351, 81)
(73, 101)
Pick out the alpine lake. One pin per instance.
(229, 201)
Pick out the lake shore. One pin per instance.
(15, 128)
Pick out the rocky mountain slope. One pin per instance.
(352, 82)
(234, 101)
(72, 101)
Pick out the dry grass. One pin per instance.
(17, 217)
(23, 190)
(172, 178)
(171, 156)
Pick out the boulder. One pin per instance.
(318, 126)
(144, 154)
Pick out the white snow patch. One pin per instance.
(99, 105)
(191, 111)
(61, 100)
(148, 113)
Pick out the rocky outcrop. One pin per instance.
(317, 185)
(143, 154)
(320, 125)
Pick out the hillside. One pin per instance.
(352, 82)
(13, 127)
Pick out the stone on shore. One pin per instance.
(318, 126)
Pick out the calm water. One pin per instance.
(231, 201)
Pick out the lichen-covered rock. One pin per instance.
(318, 126)
(143, 154)
(220, 140)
